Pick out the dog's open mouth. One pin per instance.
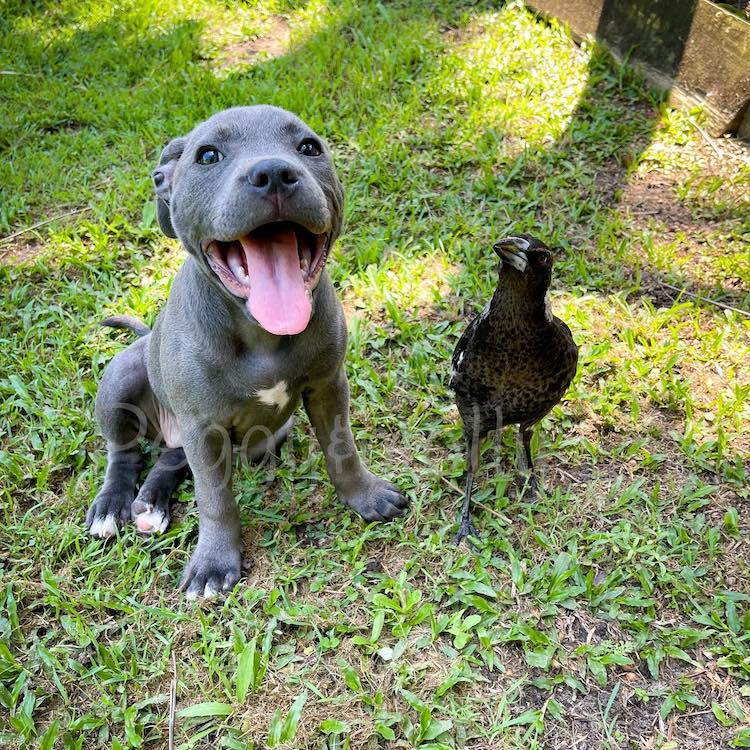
(275, 268)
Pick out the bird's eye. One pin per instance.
(208, 155)
(542, 260)
(310, 147)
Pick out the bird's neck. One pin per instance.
(512, 308)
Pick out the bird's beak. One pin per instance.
(512, 250)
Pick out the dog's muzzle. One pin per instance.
(275, 268)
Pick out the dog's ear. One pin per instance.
(162, 178)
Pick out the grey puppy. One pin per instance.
(252, 325)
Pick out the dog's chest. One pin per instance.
(265, 389)
(264, 407)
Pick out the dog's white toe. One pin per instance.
(151, 521)
(104, 528)
(209, 592)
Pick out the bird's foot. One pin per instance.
(465, 531)
(529, 488)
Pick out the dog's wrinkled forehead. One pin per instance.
(260, 129)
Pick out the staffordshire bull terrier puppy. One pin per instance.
(252, 327)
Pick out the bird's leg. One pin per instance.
(466, 528)
(525, 463)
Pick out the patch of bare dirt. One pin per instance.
(20, 252)
(652, 195)
(460, 35)
(631, 722)
(273, 43)
(695, 218)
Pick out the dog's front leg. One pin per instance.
(327, 404)
(215, 564)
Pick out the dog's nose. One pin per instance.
(273, 176)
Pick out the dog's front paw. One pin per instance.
(109, 511)
(375, 499)
(212, 569)
(149, 517)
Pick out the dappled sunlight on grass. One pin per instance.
(520, 95)
(403, 285)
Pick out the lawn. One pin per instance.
(613, 613)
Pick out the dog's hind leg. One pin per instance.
(123, 422)
(150, 510)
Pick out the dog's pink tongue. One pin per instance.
(277, 300)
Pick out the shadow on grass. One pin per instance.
(82, 103)
(592, 164)
(120, 87)
(112, 92)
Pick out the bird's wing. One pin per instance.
(463, 347)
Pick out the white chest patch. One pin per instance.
(276, 396)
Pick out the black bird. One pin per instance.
(515, 360)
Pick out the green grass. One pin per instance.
(613, 613)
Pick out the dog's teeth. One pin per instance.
(234, 261)
(305, 259)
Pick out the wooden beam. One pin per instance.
(694, 49)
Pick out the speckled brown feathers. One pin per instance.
(515, 360)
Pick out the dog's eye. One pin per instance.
(310, 147)
(208, 155)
